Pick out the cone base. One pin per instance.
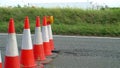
(39, 65)
(31, 66)
(39, 52)
(54, 55)
(47, 48)
(0, 65)
(47, 61)
(12, 62)
(27, 59)
(52, 44)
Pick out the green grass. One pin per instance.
(84, 29)
(62, 15)
(87, 29)
(67, 21)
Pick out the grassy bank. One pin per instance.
(88, 29)
(67, 21)
(62, 15)
(84, 29)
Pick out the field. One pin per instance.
(67, 21)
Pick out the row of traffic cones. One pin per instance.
(31, 55)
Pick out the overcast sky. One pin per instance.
(113, 3)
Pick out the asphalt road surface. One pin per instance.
(80, 51)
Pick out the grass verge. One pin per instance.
(87, 29)
(84, 29)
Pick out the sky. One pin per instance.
(111, 3)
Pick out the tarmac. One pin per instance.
(79, 51)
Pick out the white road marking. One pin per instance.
(75, 36)
(94, 37)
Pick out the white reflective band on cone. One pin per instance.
(11, 48)
(45, 34)
(26, 40)
(38, 36)
(50, 32)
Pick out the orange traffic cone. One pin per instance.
(47, 48)
(0, 60)
(51, 41)
(27, 56)
(38, 44)
(11, 55)
(50, 35)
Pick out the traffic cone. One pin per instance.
(47, 48)
(0, 60)
(38, 44)
(50, 34)
(27, 56)
(51, 41)
(11, 54)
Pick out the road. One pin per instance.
(80, 51)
